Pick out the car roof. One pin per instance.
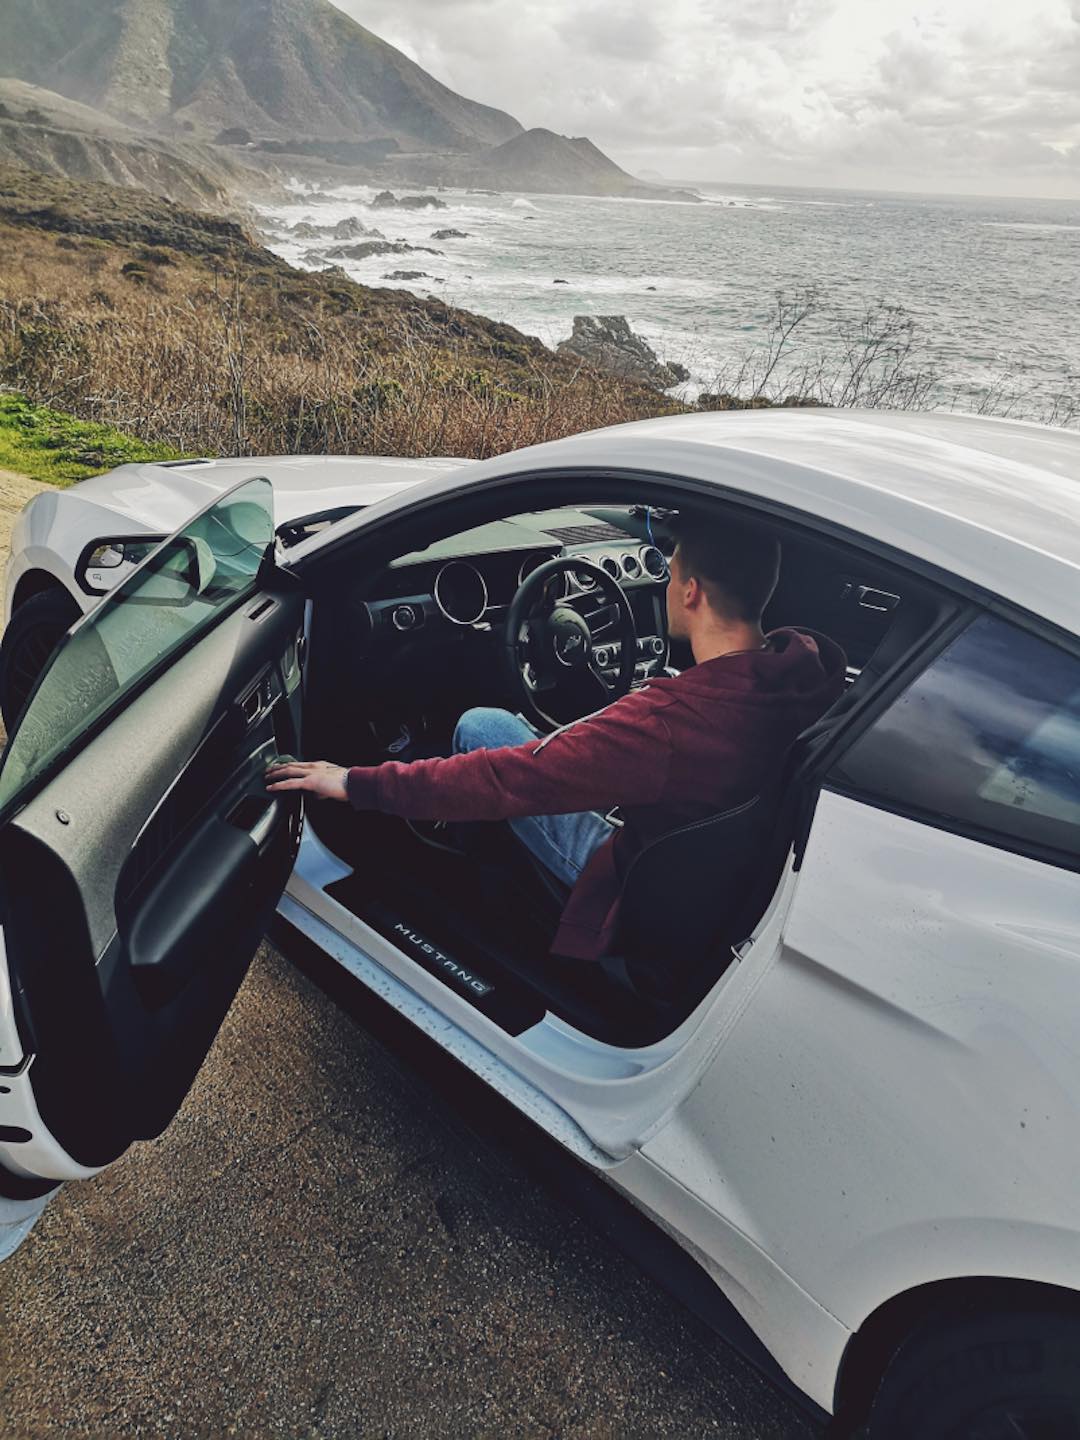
(995, 502)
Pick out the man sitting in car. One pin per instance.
(672, 751)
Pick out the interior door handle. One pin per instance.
(871, 599)
(263, 828)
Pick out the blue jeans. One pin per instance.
(562, 843)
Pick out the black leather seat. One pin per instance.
(689, 897)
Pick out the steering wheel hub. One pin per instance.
(571, 638)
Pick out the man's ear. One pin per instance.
(693, 592)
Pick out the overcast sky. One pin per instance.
(979, 96)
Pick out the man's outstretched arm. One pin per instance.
(620, 755)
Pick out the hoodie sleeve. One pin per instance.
(620, 755)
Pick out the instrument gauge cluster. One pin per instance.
(643, 563)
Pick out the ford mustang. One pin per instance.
(832, 1051)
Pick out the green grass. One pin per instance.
(49, 445)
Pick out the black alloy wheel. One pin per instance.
(1005, 1376)
(35, 630)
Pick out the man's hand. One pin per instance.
(318, 777)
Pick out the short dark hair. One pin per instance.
(737, 561)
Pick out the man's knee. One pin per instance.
(487, 728)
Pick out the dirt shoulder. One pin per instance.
(15, 491)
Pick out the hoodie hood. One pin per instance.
(795, 665)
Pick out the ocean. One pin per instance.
(990, 285)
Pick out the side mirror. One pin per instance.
(105, 563)
(177, 573)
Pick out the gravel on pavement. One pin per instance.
(322, 1245)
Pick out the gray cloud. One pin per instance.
(944, 94)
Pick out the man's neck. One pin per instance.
(716, 640)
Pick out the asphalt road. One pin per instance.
(322, 1245)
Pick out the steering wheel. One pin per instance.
(547, 641)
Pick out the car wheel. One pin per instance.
(31, 637)
(1006, 1376)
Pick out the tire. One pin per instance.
(34, 632)
(1000, 1376)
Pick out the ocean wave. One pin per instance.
(715, 282)
(1030, 225)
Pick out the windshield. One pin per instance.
(178, 592)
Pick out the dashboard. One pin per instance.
(466, 582)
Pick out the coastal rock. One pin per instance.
(414, 275)
(351, 229)
(366, 248)
(560, 282)
(387, 200)
(450, 235)
(348, 229)
(608, 342)
(681, 373)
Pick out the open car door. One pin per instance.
(140, 855)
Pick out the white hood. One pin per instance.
(161, 497)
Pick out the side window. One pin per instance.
(188, 583)
(986, 741)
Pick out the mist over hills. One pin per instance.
(275, 67)
(540, 161)
(229, 87)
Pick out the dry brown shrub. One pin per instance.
(216, 358)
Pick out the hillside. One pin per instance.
(57, 136)
(275, 67)
(537, 161)
(560, 165)
(118, 307)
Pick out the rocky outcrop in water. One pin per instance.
(366, 248)
(608, 342)
(450, 235)
(348, 229)
(387, 200)
(415, 275)
(351, 229)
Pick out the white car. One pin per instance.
(835, 1056)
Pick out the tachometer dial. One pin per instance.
(460, 592)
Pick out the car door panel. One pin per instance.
(129, 914)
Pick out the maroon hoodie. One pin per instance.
(671, 752)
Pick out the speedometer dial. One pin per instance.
(460, 592)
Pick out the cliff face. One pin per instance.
(56, 136)
(276, 67)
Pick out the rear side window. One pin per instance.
(986, 741)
